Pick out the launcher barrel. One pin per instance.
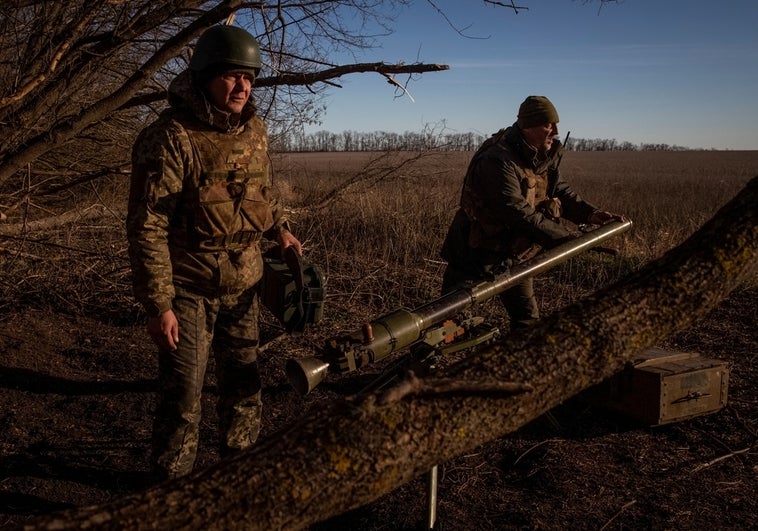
(402, 328)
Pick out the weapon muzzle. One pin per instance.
(306, 373)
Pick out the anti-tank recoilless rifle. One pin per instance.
(432, 329)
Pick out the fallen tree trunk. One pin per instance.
(350, 453)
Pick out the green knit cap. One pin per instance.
(536, 110)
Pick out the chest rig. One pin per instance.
(536, 183)
(228, 201)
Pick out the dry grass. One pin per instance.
(375, 223)
(379, 239)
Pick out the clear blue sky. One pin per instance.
(680, 72)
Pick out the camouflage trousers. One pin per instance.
(519, 301)
(228, 329)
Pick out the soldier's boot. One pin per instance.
(239, 425)
(174, 445)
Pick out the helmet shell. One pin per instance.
(225, 45)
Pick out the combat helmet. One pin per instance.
(221, 47)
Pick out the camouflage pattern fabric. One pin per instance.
(200, 201)
(231, 333)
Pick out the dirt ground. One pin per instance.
(77, 395)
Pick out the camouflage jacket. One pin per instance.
(200, 201)
(511, 203)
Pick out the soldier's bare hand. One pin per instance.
(164, 330)
(287, 239)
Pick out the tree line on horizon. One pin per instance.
(326, 141)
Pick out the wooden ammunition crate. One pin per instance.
(664, 386)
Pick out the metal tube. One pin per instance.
(402, 328)
(431, 498)
(454, 302)
(549, 259)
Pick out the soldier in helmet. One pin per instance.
(511, 207)
(199, 204)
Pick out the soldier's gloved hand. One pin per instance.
(600, 217)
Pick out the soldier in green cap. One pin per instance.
(511, 206)
(200, 201)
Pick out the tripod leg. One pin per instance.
(431, 486)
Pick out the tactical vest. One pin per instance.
(534, 189)
(227, 207)
(488, 232)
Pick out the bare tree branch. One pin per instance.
(332, 73)
(510, 5)
(62, 132)
(37, 80)
(323, 76)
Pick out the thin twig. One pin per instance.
(529, 450)
(739, 420)
(22, 254)
(392, 81)
(623, 508)
(719, 459)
